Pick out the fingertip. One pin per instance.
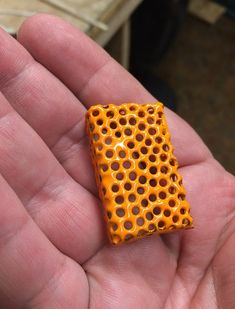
(40, 24)
(33, 26)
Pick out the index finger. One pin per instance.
(95, 77)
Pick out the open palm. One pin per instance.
(53, 248)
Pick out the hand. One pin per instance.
(53, 247)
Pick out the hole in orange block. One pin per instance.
(130, 145)
(139, 137)
(122, 154)
(119, 176)
(172, 190)
(157, 210)
(135, 210)
(113, 125)
(181, 196)
(158, 139)
(165, 147)
(142, 179)
(126, 164)
(144, 150)
(185, 221)
(115, 166)
(108, 140)
(152, 131)
(115, 188)
(150, 120)
(149, 216)
(164, 169)
(142, 165)
(153, 182)
(163, 157)
(122, 121)
(141, 233)
(155, 150)
(140, 190)
(144, 203)
(104, 167)
(153, 170)
(162, 182)
(132, 121)
(109, 153)
(173, 177)
(148, 142)
(128, 237)
(120, 212)
(92, 127)
(132, 198)
(99, 147)
(95, 113)
(141, 126)
(122, 112)
(171, 203)
(128, 225)
(161, 224)
(167, 213)
(99, 122)
(96, 137)
(140, 221)
(119, 199)
(141, 114)
(132, 108)
(110, 114)
(152, 197)
(162, 195)
(109, 214)
(127, 186)
(135, 155)
(152, 158)
(150, 110)
(128, 132)
(132, 175)
(152, 227)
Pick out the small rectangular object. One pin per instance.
(136, 171)
(206, 10)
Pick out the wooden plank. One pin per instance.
(65, 7)
(121, 10)
(14, 22)
(92, 8)
(113, 12)
(125, 57)
(206, 10)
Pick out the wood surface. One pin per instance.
(92, 8)
(206, 10)
(100, 19)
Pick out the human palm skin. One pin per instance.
(53, 247)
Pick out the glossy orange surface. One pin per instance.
(136, 171)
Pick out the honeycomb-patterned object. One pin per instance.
(136, 171)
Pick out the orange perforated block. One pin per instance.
(136, 171)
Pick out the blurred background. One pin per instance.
(183, 51)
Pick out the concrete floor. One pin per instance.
(200, 67)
